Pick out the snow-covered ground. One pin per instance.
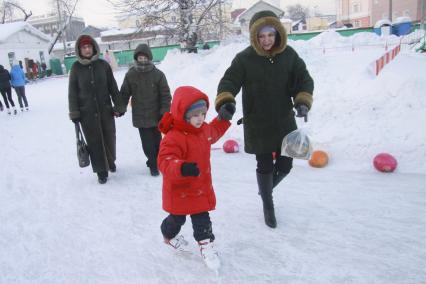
(345, 223)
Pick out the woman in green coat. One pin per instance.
(274, 80)
(90, 90)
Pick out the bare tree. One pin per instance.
(65, 10)
(182, 17)
(8, 11)
(297, 12)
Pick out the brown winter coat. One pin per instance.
(91, 88)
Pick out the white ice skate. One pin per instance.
(209, 255)
(178, 243)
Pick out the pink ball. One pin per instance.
(385, 162)
(230, 146)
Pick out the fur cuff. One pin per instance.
(74, 115)
(222, 98)
(303, 98)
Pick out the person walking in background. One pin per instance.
(150, 97)
(6, 91)
(184, 161)
(274, 80)
(17, 80)
(90, 90)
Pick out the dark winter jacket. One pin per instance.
(17, 76)
(91, 88)
(185, 143)
(148, 88)
(4, 78)
(272, 83)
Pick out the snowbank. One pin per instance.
(354, 116)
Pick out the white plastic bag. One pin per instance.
(297, 144)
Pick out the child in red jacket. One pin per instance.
(184, 161)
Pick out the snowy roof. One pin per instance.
(286, 20)
(252, 7)
(7, 30)
(382, 22)
(114, 32)
(400, 20)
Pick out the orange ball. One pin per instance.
(319, 159)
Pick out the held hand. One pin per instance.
(302, 111)
(226, 111)
(190, 170)
(118, 114)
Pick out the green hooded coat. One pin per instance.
(148, 88)
(272, 83)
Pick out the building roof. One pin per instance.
(236, 13)
(9, 29)
(252, 7)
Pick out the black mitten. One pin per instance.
(189, 170)
(302, 111)
(226, 111)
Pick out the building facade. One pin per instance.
(365, 13)
(49, 24)
(406, 8)
(20, 41)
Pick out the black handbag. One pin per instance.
(82, 149)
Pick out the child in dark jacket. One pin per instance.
(184, 161)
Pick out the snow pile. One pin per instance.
(354, 116)
(58, 225)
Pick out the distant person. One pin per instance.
(91, 88)
(206, 46)
(274, 80)
(6, 91)
(110, 58)
(184, 161)
(18, 83)
(150, 97)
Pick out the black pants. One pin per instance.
(200, 223)
(265, 163)
(7, 95)
(151, 138)
(20, 91)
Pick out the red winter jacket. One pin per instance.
(185, 143)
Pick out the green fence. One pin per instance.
(125, 57)
(346, 32)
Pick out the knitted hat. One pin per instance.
(267, 29)
(199, 106)
(85, 40)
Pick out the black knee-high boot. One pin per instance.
(264, 181)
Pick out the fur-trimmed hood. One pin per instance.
(261, 19)
(96, 51)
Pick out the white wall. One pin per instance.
(24, 45)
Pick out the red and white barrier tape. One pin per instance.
(380, 63)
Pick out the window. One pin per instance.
(356, 8)
(11, 56)
(42, 60)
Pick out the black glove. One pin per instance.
(302, 111)
(226, 111)
(190, 170)
(119, 114)
(75, 120)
